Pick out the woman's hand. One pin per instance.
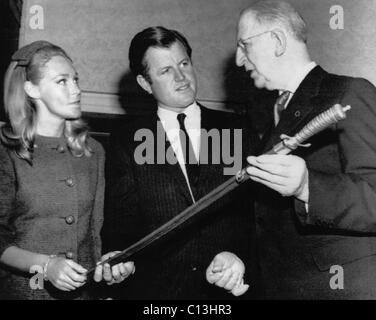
(117, 273)
(65, 274)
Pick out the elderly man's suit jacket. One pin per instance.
(141, 197)
(300, 252)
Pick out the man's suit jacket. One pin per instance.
(141, 198)
(298, 251)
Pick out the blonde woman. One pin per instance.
(51, 182)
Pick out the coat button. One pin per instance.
(60, 149)
(69, 220)
(69, 255)
(69, 182)
(297, 114)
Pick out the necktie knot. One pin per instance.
(282, 99)
(181, 118)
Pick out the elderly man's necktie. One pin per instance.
(280, 105)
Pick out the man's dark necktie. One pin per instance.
(190, 160)
(280, 105)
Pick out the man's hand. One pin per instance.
(227, 271)
(285, 174)
(116, 274)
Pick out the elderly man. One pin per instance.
(312, 231)
(144, 195)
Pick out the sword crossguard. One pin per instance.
(241, 175)
(292, 143)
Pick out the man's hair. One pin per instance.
(283, 13)
(152, 37)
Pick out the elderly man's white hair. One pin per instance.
(270, 12)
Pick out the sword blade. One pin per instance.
(172, 224)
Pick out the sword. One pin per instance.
(287, 144)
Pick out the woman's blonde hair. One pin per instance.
(19, 133)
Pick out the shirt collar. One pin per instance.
(297, 79)
(193, 113)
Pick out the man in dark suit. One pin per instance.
(314, 232)
(146, 189)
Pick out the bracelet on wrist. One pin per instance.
(45, 267)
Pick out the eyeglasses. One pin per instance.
(243, 43)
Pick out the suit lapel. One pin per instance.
(208, 122)
(173, 170)
(299, 110)
(205, 125)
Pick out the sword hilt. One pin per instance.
(317, 124)
(288, 144)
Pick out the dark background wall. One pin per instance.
(10, 19)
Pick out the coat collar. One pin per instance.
(55, 143)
